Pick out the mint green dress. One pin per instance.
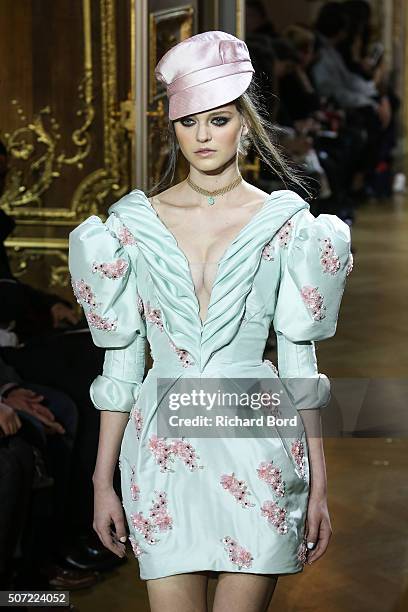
(235, 504)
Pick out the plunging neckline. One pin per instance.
(224, 256)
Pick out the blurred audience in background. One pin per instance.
(331, 101)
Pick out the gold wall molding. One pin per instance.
(166, 28)
(36, 150)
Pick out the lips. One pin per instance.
(204, 152)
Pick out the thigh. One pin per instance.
(244, 592)
(180, 593)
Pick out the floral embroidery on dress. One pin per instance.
(135, 546)
(298, 454)
(159, 519)
(349, 264)
(134, 489)
(99, 322)
(125, 237)
(140, 306)
(285, 234)
(237, 554)
(144, 526)
(314, 302)
(237, 488)
(164, 452)
(276, 516)
(272, 366)
(137, 418)
(159, 512)
(83, 293)
(272, 475)
(116, 269)
(302, 552)
(186, 452)
(183, 355)
(268, 251)
(328, 258)
(153, 315)
(161, 450)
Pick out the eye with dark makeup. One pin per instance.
(219, 121)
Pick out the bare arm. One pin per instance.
(318, 529)
(111, 431)
(107, 505)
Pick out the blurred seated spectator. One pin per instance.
(41, 337)
(331, 76)
(257, 20)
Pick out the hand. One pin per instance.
(9, 421)
(30, 402)
(318, 527)
(108, 509)
(60, 313)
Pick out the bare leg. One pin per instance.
(180, 593)
(244, 592)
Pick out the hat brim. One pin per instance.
(205, 96)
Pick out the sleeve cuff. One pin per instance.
(108, 393)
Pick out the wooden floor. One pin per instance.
(366, 566)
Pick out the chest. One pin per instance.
(204, 235)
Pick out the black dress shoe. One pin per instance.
(91, 557)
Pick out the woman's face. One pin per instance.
(216, 133)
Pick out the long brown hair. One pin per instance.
(262, 136)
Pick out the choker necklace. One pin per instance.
(211, 194)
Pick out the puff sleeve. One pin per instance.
(102, 264)
(314, 263)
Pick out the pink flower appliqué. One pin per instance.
(159, 519)
(114, 270)
(272, 475)
(349, 264)
(314, 302)
(272, 366)
(268, 251)
(183, 355)
(83, 293)
(101, 323)
(144, 526)
(134, 489)
(186, 452)
(161, 451)
(164, 452)
(328, 257)
(302, 552)
(137, 551)
(125, 237)
(137, 418)
(237, 488)
(140, 306)
(159, 513)
(154, 316)
(298, 453)
(285, 234)
(276, 516)
(237, 554)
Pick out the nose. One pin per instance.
(203, 133)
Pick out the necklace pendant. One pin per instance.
(211, 200)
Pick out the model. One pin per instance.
(200, 271)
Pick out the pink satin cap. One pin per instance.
(204, 71)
